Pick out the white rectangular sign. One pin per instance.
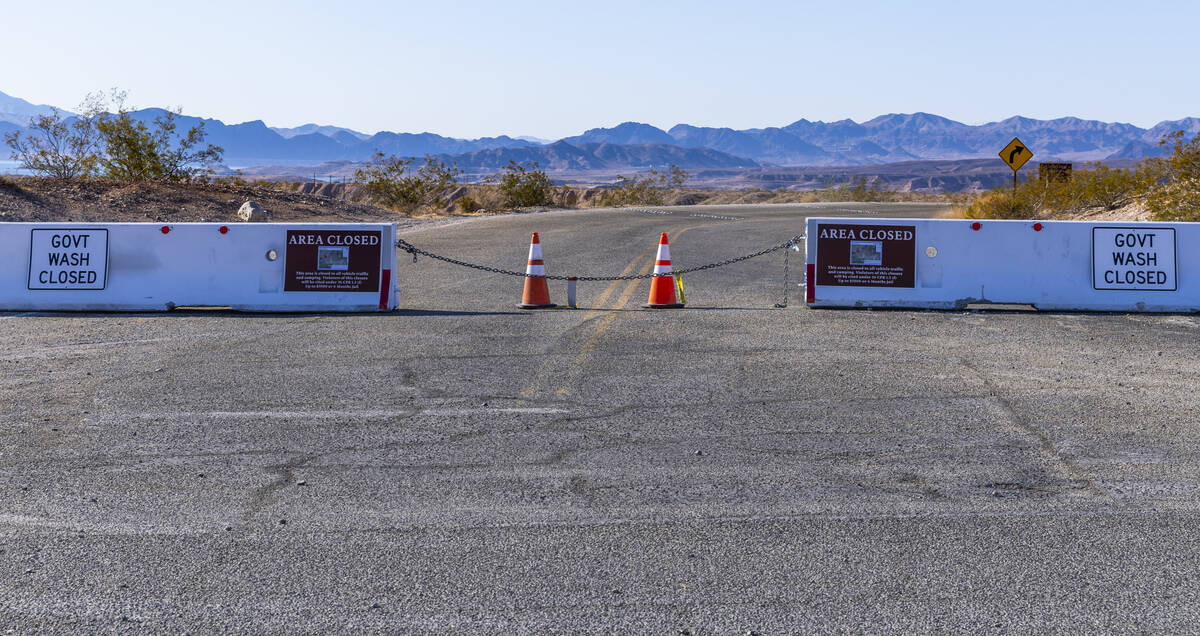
(68, 258)
(1133, 258)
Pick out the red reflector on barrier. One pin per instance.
(810, 283)
(1037, 227)
(165, 229)
(224, 229)
(385, 287)
(975, 226)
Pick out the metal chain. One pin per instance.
(415, 251)
(784, 304)
(787, 282)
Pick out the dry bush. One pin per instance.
(524, 187)
(1003, 204)
(468, 204)
(1170, 186)
(1108, 188)
(393, 183)
(1176, 201)
(651, 188)
(1178, 196)
(857, 189)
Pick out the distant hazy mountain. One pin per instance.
(626, 133)
(1138, 149)
(1190, 125)
(328, 131)
(884, 139)
(773, 145)
(903, 137)
(1148, 145)
(15, 110)
(561, 155)
(899, 137)
(254, 143)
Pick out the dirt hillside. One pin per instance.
(1135, 211)
(37, 199)
(50, 200)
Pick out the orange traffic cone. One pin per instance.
(537, 292)
(662, 286)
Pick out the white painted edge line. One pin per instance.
(325, 415)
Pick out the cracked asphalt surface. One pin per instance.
(461, 465)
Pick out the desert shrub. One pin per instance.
(392, 182)
(1177, 197)
(524, 187)
(1177, 201)
(1003, 203)
(1109, 188)
(858, 188)
(135, 151)
(113, 144)
(467, 203)
(1096, 186)
(644, 189)
(58, 146)
(1170, 186)
(237, 179)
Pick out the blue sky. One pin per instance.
(469, 69)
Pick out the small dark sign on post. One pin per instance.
(1052, 171)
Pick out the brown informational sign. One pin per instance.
(1054, 171)
(332, 260)
(866, 255)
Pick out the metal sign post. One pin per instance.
(1015, 154)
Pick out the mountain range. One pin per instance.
(631, 145)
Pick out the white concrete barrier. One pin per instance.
(1052, 265)
(157, 267)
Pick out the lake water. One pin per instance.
(10, 167)
(7, 166)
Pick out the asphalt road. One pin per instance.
(730, 467)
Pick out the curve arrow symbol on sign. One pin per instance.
(1012, 156)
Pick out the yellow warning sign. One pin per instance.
(1015, 154)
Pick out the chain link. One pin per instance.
(784, 304)
(415, 251)
(787, 282)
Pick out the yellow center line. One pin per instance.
(599, 308)
(603, 325)
(612, 287)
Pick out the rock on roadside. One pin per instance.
(252, 212)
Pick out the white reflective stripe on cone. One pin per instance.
(660, 270)
(535, 251)
(664, 252)
(535, 270)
